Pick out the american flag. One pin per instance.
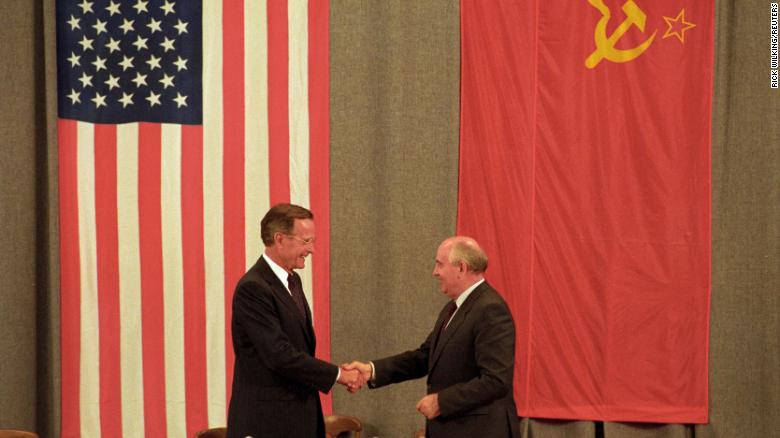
(180, 124)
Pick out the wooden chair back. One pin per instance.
(9, 433)
(338, 424)
(217, 432)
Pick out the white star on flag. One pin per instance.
(140, 5)
(74, 96)
(100, 27)
(153, 98)
(154, 62)
(167, 7)
(127, 25)
(74, 59)
(127, 62)
(180, 100)
(99, 100)
(86, 6)
(113, 8)
(74, 23)
(127, 99)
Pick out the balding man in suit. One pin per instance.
(468, 357)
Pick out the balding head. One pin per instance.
(467, 250)
(460, 263)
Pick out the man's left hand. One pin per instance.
(429, 406)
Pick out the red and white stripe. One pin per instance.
(159, 221)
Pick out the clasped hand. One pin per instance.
(354, 375)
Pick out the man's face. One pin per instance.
(295, 247)
(447, 273)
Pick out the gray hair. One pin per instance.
(468, 251)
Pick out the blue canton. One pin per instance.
(129, 61)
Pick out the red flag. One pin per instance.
(585, 172)
(180, 124)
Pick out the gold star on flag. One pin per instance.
(677, 26)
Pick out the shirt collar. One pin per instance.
(278, 271)
(462, 297)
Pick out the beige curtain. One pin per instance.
(29, 310)
(394, 140)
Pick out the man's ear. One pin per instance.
(278, 237)
(462, 267)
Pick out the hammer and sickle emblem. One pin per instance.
(605, 45)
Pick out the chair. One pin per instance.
(217, 432)
(419, 433)
(8, 433)
(335, 425)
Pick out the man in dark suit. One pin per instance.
(276, 376)
(468, 357)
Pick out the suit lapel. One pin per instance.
(284, 296)
(455, 324)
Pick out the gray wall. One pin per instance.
(394, 163)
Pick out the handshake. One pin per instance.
(354, 375)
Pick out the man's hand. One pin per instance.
(429, 406)
(352, 379)
(363, 368)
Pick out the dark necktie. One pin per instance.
(296, 290)
(451, 308)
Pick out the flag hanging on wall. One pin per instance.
(180, 124)
(585, 172)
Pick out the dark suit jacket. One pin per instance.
(471, 368)
(276, 376)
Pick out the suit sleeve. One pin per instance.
(494, 351)
(409, 365)
(253, 306)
